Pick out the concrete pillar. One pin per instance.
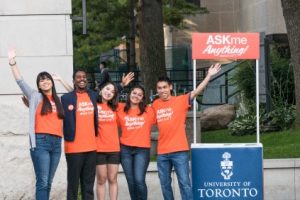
(41, 31)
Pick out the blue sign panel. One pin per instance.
(222, 171)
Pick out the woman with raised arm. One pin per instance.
(45, 126)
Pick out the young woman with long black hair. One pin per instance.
(45, 126)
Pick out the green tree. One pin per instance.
(107, 22)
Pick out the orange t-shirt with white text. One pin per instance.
(108, 137)
(170, 119)
(49, 123)
(136, 129)
(85, 139)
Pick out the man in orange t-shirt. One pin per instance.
(173, 147)
(80, 127)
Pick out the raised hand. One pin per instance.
(11, 54)
(56, 77)
(127, 79)
(214, 69)
(11, 61)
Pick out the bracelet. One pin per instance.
(12, 64)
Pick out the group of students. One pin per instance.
(88, 121)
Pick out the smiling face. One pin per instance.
(80, 80)
(108, 92)
(45, 84)
(136, 96)
(163, 89)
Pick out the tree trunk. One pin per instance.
(131, 38)
(151, 39)
(291, 13)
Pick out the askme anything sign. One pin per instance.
(225, 45)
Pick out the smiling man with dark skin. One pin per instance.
(80, 129)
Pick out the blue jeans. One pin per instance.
(135, 161)
(45, 158)
(180, 161)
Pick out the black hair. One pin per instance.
(142, 105)
(77, 70)
(167, 80)
(164, 79)
(103, 63)
(113, 103)
(46, 106)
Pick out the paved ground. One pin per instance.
(18, 180)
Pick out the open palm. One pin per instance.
(214, 69)
(127, 79)
(11, 54)
(56, 77)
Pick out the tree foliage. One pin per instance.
(175, 10)
(282, 82)
(282, 91)
(244, 79)
(109, 20)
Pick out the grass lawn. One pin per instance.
(285, 144)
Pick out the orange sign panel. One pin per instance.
(225, 45)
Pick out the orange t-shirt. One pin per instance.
(108, 137)
(170, 119)
(49, 123)
(85, 139)
(136, 129)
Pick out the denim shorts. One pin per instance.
(108, 158)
